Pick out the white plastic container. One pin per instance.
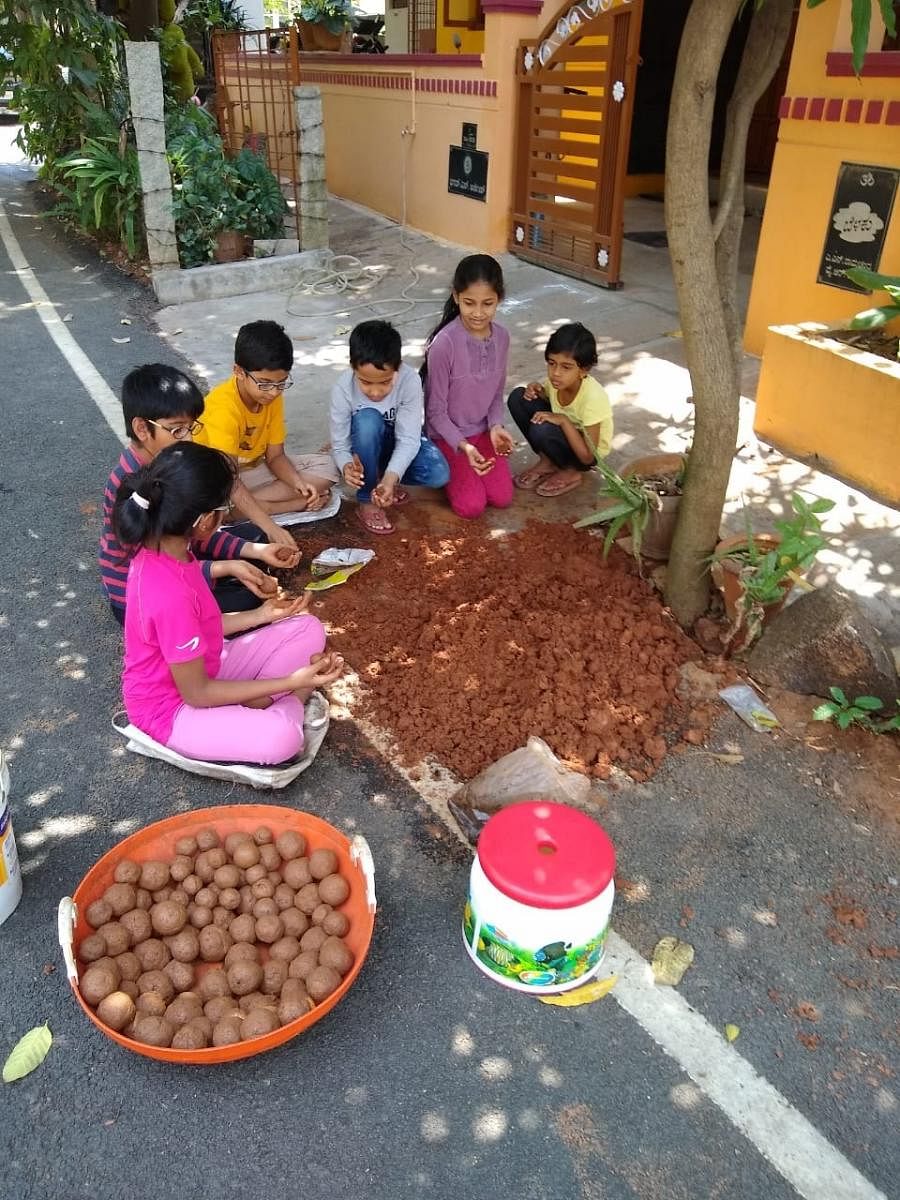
(540, 896)
(10, 875)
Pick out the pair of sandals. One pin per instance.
(546, 483)
(375, 520)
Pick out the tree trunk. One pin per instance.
(706, 342)
(763, 50)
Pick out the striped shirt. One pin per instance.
(114, 558)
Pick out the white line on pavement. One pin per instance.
(91, 379)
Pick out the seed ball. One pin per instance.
(154, 875)
(190, 1037)
(183, 1008)
(275, 975)
(262, 835)
(116, 936)
(295, 922)
(192, 885)
(243, 928)
(181, 974)
(151, 1004)
(97, 983)
(336, 924)
(222, 917)
(207, 839)
(314, 938)
(162, 895)
(111, 965)
(244, 977)
(157, 981)
(307, 899)
(129, 965)
(246, 855)
(322, 863)
(269, 928)
(199, 916)
(153, 954)
(256, 1000)
(186, 846)
(322, 982)
(334, 890)
(334, 953)
(258, 1023)
(155, 1031)
(179, 896)
(98, 913)
(270, 858)
(130, 988)
(92, 947)
(227, 876)
(216, 857)
(305, 963)
(295, 1001)
(204, 1023)
(213, 985)
(167, 917)
(241, 952)
(265, 908)
(274, 877)
(284, 897)
(227, 1031)
(285, 949)
(180, 867)
(127, 871)
(233, 840)
(296, 873)
(203, 867)
(320, 913)
(218, 1007)
(185, 945)
(207, 896)
(121, 897)
(254, 874)
(214, 943)
(138, 924)
(247, 900)
(263, 889)
(230, 898)
(290, 844)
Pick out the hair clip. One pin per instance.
(140, 501)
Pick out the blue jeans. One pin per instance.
(372, 439)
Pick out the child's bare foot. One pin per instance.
(559, 483)
(318, 501)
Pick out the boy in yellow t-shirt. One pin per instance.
(567, 419)
(244, 418)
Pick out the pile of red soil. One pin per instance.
(468, 642)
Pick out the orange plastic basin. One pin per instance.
(157, 841)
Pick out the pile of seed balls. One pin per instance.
(227, 942)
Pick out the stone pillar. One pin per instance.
(146, 91)
(312, 219)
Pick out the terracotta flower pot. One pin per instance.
(314, 36)
(657, 540)
(726, 572)
(230, 247)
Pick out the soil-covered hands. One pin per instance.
(253, 579)
(535, 391)
(479, 464)
(549, 418)
(383, 495)
(278, 608)
(281, 537)
(323, 669)
(353, 473)
(282, 558)
(502, 441)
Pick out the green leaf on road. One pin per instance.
(671, 958)
(29, 1052)
(732, 1033)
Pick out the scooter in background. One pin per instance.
(368, 32)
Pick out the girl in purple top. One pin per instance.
(465, 378)
(207, 698)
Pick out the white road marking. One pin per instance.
(88, 375)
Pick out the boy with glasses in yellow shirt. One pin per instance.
(244, 418)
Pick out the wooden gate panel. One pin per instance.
(576, 86)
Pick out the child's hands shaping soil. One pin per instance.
(479, 464)
(281, 607)
(323, 669)
(501, 441)
(353, 473)
(282, 558)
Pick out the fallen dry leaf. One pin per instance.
(765, 916)
(587, 994)
(807, 1011)
(87, 508)
(811, 1041)
(687, 915)
(671, 958)
(877, 951)
(730, 760)
(732, 1033)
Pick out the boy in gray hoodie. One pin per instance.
(377, 412)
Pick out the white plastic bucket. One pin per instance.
(10, 875)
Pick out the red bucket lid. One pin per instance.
(546, 855)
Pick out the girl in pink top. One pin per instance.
(465, 381)
(186, 686)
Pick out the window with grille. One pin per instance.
(422, 26)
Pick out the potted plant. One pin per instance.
(325, 24)
(644, 501)
(756, 572)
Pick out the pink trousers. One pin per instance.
(233, 733)
(470, 494)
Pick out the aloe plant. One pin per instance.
(633, 503)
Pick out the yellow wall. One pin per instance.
(804, 173)
(472, 40)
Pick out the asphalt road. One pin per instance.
(427, 1079)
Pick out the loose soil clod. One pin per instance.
(468, 641)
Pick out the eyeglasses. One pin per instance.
(225, 509)
(178, 432)
(269, 385)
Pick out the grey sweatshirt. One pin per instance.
(403, 408)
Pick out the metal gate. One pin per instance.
(576, 93)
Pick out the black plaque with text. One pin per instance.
(469, 135)
(858, 223)
(467, 175)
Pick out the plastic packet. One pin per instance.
(338, 577)
(331, 560)
(742, 699)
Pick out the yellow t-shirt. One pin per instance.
(230, 426)
(590, 407)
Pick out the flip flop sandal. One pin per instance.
(401, 497)
(368, 521)
(548, 489)
(528, 480)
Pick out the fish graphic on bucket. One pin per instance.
(540, 897)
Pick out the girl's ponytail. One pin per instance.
(474, 268)
(136, 506)
(167, 496)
